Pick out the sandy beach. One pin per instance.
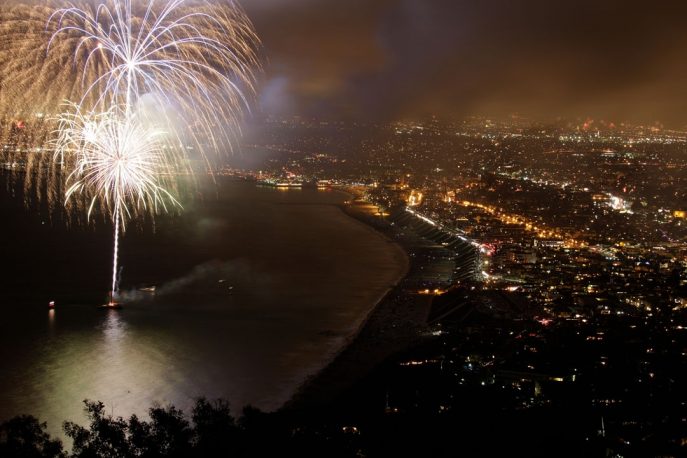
(391, 326)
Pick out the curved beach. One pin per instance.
(389, 327)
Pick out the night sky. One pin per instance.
(393, 59)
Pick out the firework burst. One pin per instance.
(188, 57)
(150, 86)
(119, 160)
(192, 62)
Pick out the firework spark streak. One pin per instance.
(151, 86)
(119, 161)
(183, 54)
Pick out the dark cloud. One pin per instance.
(543, 58)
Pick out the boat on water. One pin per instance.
(112, 305)
(51, 305)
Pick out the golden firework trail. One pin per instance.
(128, 92)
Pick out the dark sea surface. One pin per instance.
(256, 288)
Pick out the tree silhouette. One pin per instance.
(210, 431)
(25, 437)
(216, 433)
(168, 434)
(106, 437)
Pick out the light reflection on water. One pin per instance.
(302, 276)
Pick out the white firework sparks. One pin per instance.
(185, 65)
(193, 58)
(118, 160)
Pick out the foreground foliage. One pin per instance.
(210, 431)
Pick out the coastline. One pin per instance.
(391, 325)
(169, 351)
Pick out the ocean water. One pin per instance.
(255, 289)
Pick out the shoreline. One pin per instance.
(391, 325)
(356, 312)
